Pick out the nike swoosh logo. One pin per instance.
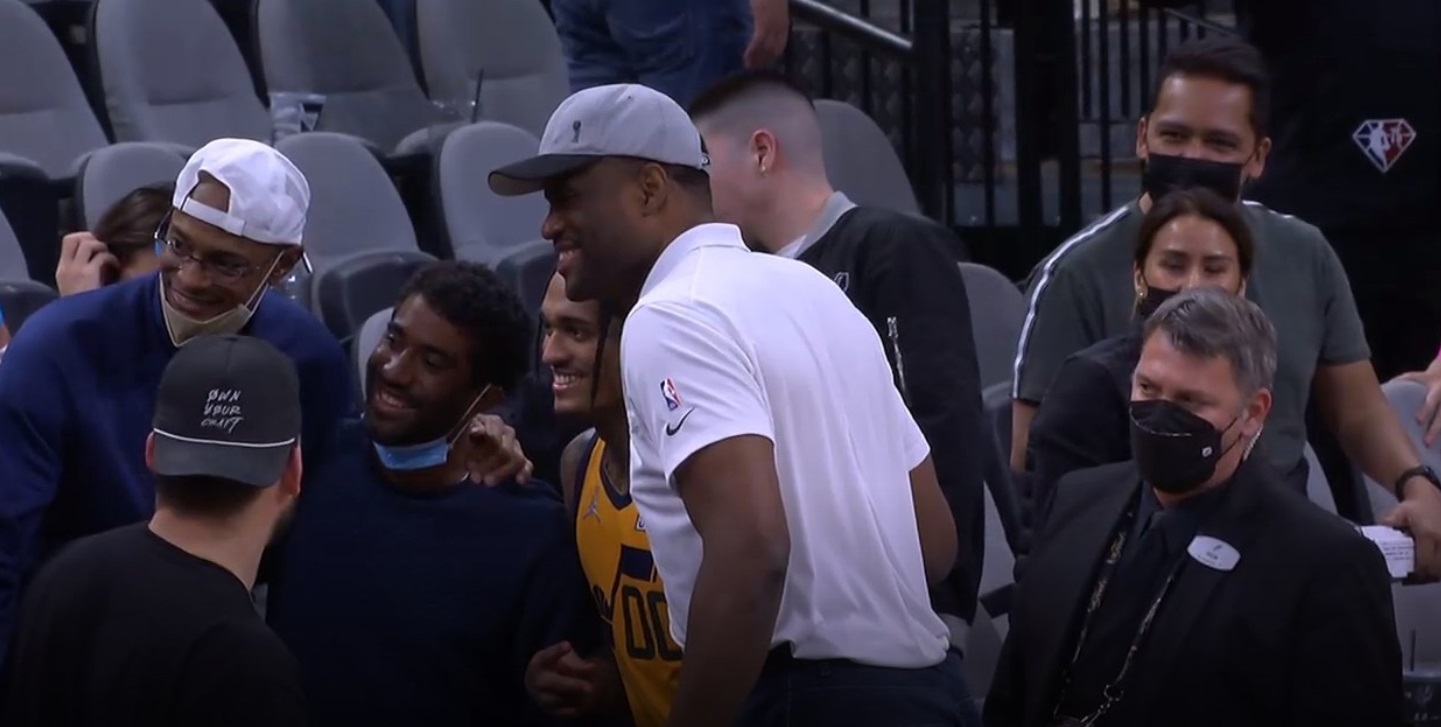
(671, 429)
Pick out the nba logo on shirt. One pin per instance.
(672, 397)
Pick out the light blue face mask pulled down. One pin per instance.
(423, 456)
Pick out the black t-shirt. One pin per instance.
(123, 628)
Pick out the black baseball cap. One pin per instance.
(228, 407)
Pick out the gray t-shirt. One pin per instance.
(1084, 292)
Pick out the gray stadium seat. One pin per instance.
(983, 646)
(172, 73)
(366, 341)
(861, 161)
(512, 42)
(483, 225)
(44, 115)
(528, 268)
(997, 311)
(1418, 609)
(1406, 398)
(358, 235)
(1318, 488)
(12, 256)
(347, 51)
(19, 299)
(109, 174)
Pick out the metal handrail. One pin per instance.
(848, 26)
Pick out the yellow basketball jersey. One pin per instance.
(615, 553)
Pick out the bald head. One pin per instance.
(735, 110)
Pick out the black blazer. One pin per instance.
(1300, 632)
(1084, 420)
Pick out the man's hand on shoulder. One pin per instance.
(493, 454)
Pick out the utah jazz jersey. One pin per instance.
(615, 553)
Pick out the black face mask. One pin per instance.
(1152, 300)
(1175, 450)
(1165, 173)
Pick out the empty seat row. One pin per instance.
(170, 71)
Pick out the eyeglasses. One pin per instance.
(230, 269)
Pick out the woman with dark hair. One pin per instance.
(1190, 238)
(122, 245)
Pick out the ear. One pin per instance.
(1256, 412)
(284, 264)
(491, 399)
(1139, 281)
(1242, 290)
(654, 189)
(1257, 165)
(294, 470)
(1141, 149)
(765, 149)
(150, 451)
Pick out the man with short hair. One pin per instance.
(77, 391)
(638, 673)
(788, 495)
(1208, 129)
(1187, 587)
(768, 177)
(410, 593)
(152, 624)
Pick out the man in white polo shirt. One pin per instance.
(789, 497)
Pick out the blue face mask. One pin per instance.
(423, 456)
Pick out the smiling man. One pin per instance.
(408, 594)
(77, 391)
(1208, 128)
(788, 496)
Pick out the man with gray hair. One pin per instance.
(1196, 554)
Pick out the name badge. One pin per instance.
(1213, 553)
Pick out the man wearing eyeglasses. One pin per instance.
(77, 389)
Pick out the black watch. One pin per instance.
(1398, 488)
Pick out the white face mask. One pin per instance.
(183, 328)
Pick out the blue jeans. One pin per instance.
(678, 47)
(835, 693)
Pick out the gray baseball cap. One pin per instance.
(620, 120)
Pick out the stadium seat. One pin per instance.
(861, 161)
(347, 51)
(19, 299)
(44, 115)
(1406, 398)
(512, 43)
(528, 268)
(12, 257)
(481, 224)
(358, 236)
(365, 343)
(109, 174)
(1318, 488)
(171, 72)
(997, 311)
(988, 632)
(1417, 609)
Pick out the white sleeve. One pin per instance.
(690, 383)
